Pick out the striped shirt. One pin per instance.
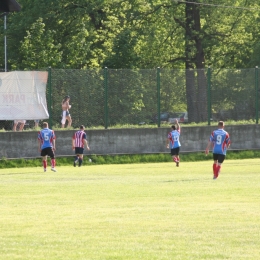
(79, 137)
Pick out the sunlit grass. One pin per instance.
(125, 159)
(131, 211)
(144, 125)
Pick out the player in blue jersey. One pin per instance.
(79, 139)
(46, 146)
(220, 141)
(173, 142)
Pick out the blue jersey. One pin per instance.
(220, 139)
(46, 136)
(174, 137)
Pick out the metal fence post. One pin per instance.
(256, 95)
(49, 97)
(209, 94)
(158, 97)
(106, 99)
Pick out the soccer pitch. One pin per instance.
(131, 211)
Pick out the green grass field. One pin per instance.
(131, 211)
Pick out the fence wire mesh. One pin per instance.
(86, 91)
(113, 97)
(234, 95)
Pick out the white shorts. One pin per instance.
(19, 121)
(64, 116)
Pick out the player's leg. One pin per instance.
(80, 159)
(80, 154)
(76, 158)
(177, 156)
(44, 159)
(215, 158)
(221, 158)
(173, 155)
(53, 160)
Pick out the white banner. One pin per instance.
(23, 95)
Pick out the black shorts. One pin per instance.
(79, 150)
(48, 151)
(219, 157)
(175, 151)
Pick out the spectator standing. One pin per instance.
(79, 140)
(36, 123)
(65, 112)
(173, 142)
(21, 126)
(220, 141)
(46, 146)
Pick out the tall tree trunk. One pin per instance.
(196, 85)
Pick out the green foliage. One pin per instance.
(127, 159)
(140, 35)
(131, 34)
(38, 49)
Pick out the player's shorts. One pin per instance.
(19, 121)
(175, 151)
(48, 151)
(219, 157)
(79, 150)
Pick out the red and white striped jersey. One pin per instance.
(79, 137)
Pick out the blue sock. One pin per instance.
(80, 161)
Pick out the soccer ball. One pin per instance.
(89, 160)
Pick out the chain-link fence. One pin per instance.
(111, 97)
(234, 94)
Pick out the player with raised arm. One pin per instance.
(173, 142)
(79, 140)
(220, 141)
(46, 146)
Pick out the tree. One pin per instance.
(38, 49)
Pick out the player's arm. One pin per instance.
(53, 144)
(207, 148)
(39, 144)
(73, 143)
(86, 143)
(228, 142)
(178, 125)
(167, 141)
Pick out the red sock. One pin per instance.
(218, 170)
(44, 163)
(53, 163)
(214, 169)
